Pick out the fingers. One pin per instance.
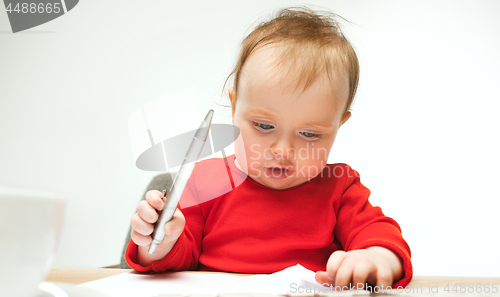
(139, 239)
(147, 209)
(344, 272)
(384, 278)
(363, 273)
(155, 199)
(146, 212)
(334, 263)
(360, 274)
(140, 226)
(352, 270)
(322, 278)
(332, 267)
(142, 221)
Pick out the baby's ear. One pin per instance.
(346, 116)
(231, 94)
(232, 99)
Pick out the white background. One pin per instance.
(423, 135)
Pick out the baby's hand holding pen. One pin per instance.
(142, 224)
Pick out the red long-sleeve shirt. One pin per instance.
(256, 229)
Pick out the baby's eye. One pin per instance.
(309, 135)
(263, 126)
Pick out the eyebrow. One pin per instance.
(264, 112)
(267, 113)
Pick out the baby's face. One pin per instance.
(283, 128)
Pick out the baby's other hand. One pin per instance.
(376, 266)
(143, 221)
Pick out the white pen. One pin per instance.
(180, 181)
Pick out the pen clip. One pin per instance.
(163, 193)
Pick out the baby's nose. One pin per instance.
(283, 151)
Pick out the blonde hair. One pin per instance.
(310, 41)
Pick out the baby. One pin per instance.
(294, 83)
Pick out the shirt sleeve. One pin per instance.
(361, 225)
(186, 251)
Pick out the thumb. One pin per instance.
(322, 278)
(174, 227)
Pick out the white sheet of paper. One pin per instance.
(188, 283)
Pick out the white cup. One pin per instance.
(30, 223)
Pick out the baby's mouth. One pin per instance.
(278, 172)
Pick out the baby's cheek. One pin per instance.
(240, 151)
(301, 171)
(308, 170)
